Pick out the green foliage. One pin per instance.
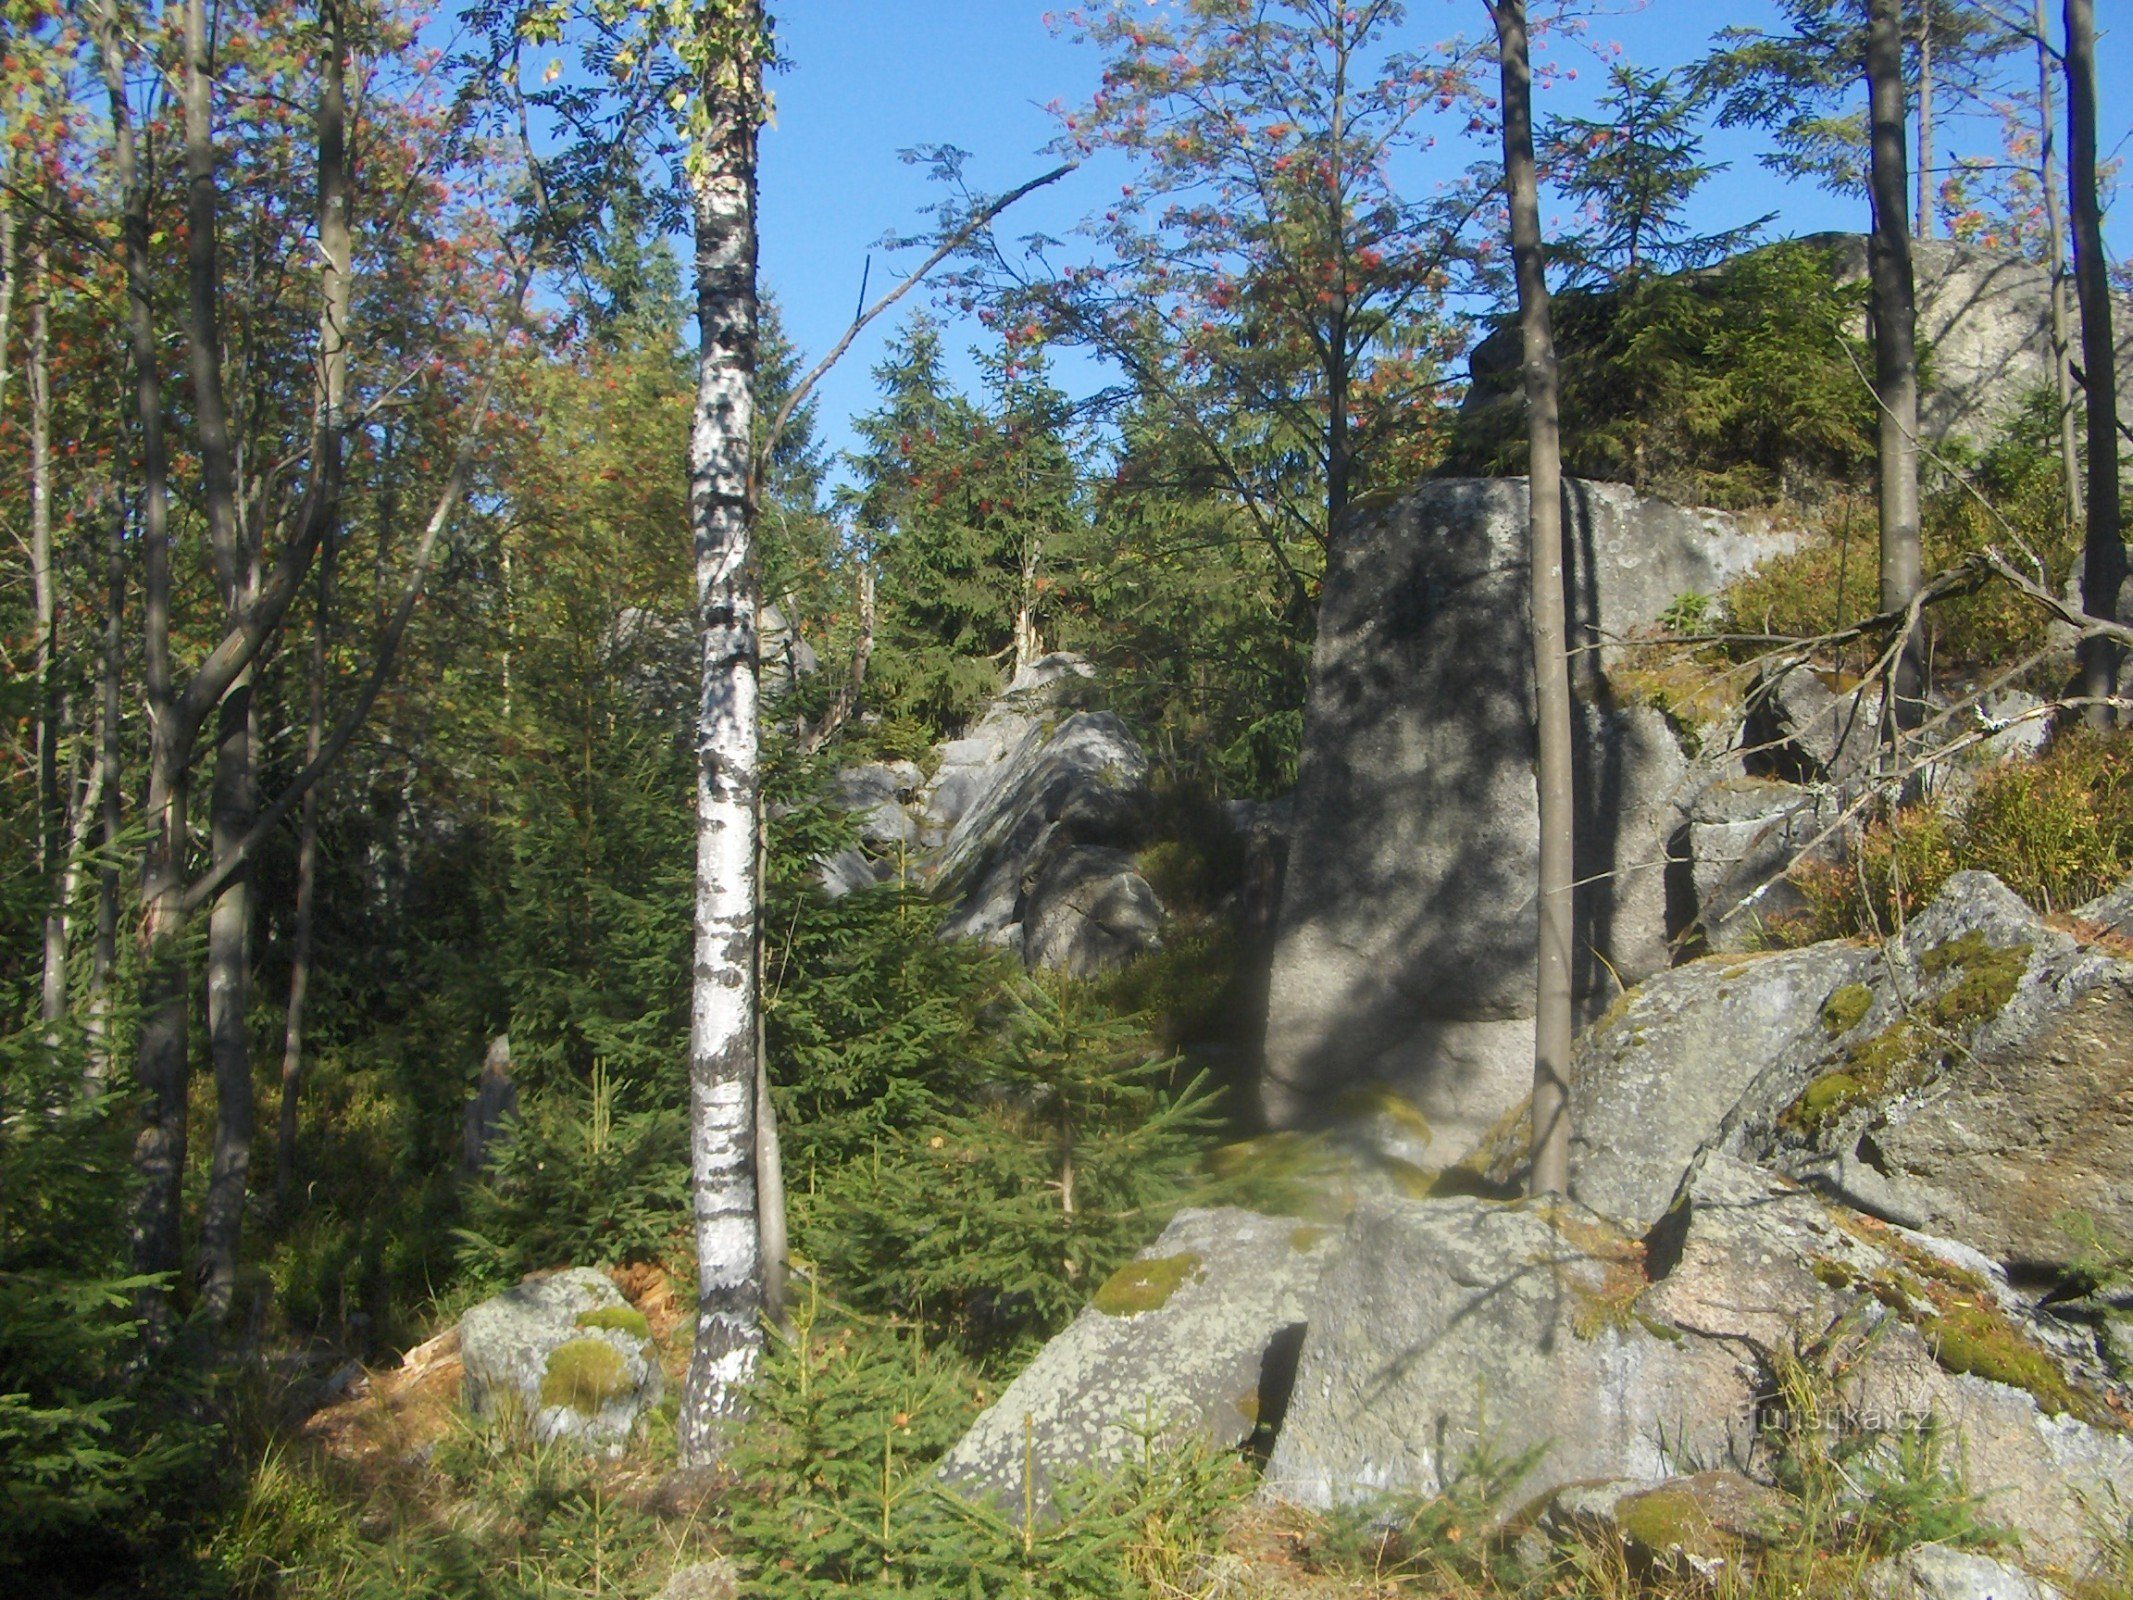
(1442, 1539)
(2058, 830)
(581, 1177)
(1730, 387)
(1633, 171)
(102, 1451)
(835, 1492)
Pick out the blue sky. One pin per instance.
(867, 78)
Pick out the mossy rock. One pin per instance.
(617, 1319)
(584, 1374)
(1140, 1286)
(1844, 1010)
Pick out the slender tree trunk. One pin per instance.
(1925, 119)
(233, 796)
(1551, 662)
(51, 808)
(1895, 349)
(7, 266)
(723, 1080)
(233, 799)
(292, 1047)
(2103, 566)
(337, 244)
(2055, 236)
(160, 1057)
(104, 959)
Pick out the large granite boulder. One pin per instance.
(565, 1353)
(1089, 911)
(1982, 1090)
(1030, 783)
(1404, 951)
(1449, 1331)
(1973, 1079)
(1196, 1338)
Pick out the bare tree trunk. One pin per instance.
(233, 795)
(1026, 643)
(292, 1047)
(104, 959)
(160, 1059)
(2055, 235)
(51, 809)
(1895, 349)
(1553, 1026)
(723, 1082)
(336, 243)
(2103, 566)
(846, 700)
(1925, 119)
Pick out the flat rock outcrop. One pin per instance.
(1196, 1338)
(1445, 1332)
(1404, 950)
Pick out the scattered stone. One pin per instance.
(719, 1579)
(567, 1353)
(1194, 1338)
(1741, 837)
(1941, 1572)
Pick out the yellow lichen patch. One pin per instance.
(1304, 1237)
(1616, 1012)
(1842, 1011)
(584, 1374)
(1145, 1285)
(619, 1319)
(1382, 1100)
(1613, 1304)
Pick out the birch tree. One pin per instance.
(730, 47)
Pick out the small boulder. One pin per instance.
(1941, 1572)
(567, 1353)
(1194, 1338)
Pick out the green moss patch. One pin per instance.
(1990, 976)
(1304, 1237)
(619, 1319)
(1145, 1285)
(584, 1374)
(1842, 1011)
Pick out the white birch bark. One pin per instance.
(722, 1034)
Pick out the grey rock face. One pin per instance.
(566, 1353)
(1446, 1327)
(1221, 1298)
(1405, 944)
(1941, 1572)
(2012, 1106)
(1741, 836)
(1089, 911)
(1082, 782)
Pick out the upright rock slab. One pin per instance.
(1405, 946)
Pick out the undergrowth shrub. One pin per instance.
(835, 1491)
(2057, 830)
(580, 1178)
(1725, 387)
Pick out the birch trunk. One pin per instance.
(2103, 564)
(51, 810)
(1551, 661)
(1895, 349)
(723, 1076)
